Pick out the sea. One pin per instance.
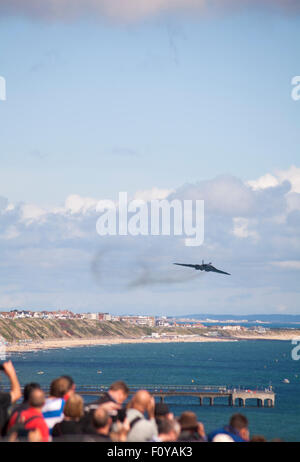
(248, 363)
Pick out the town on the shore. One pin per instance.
(137, 320)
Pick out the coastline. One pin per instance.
(73, 343)
(105, 341)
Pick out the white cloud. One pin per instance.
(292, 175)
(289, 264)
(48, 252)
(224, 194)
(151, 194)
(9, 207)
(77, 204)
(52, 258)
(279, 178)
(293, 201)
(10, 233)
(270, 181)
(241, 228)
(265, 181)
(31, 212)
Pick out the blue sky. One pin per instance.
(98, 105)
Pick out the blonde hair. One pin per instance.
(74, 407)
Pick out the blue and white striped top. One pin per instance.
(53, 411)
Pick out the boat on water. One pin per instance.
(40, 372)
(285, 381)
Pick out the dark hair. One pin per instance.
(258, 439)
(59, 387)
(161, 410)
(37, 398)
(164, 426)
(28, 388)
(119, 385)
(69, 379)
(238, 421)
(100, 418)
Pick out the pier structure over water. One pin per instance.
(206, 394)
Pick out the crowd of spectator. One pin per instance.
(63, 416)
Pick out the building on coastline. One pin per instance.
(5, 315)
(193, 325)
(90, 316)
(234, 328)
(105, 317)
(162, 322)
(67, 314)
(258, 329)
(115, 318)
(148, 321)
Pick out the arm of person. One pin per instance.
(201, 431)
(151, 408)
(15, 390)
(151, 423)
(45, 432)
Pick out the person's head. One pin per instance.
(239, 423)
(258, 439)
(141, 401)
(71, 385)
(28, 388)
(168, 430)
(188, 421)
(59, 387)
(101, 421)
(222, 438)
(162, 412)
(73, 408)
(119, 391)
(37, 398)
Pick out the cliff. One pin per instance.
(46, 329)
(13, 330)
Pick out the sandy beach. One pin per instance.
(77, 342)
(69, 343)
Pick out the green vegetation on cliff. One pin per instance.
(48, 329)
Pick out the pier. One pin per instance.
(206, 394)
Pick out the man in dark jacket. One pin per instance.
(101, 424)
(111, 400)
(191, 429)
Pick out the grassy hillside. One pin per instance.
(42, 329)
(46, 329)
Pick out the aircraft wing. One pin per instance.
(215, 270)
(184, 264)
